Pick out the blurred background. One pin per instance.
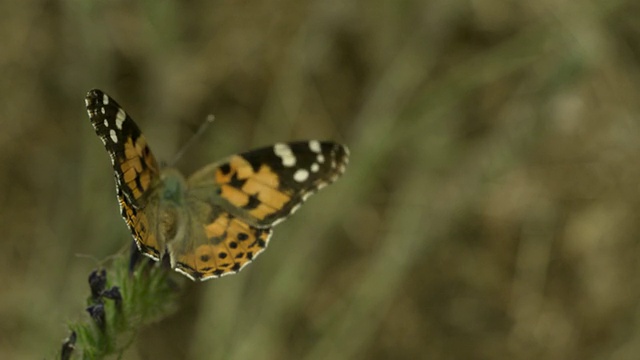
(490, 209)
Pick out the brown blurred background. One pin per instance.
(490, 209)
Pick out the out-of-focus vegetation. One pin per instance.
(490, 209)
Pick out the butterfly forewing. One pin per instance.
(135, 167)
(266, 185)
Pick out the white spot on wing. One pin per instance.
(103, 111)
(301, 175)
(320, 158)
(105, 122)
(315, 167)
(314, 145)
(113, 136)
(120, 117)
(105, 99)
(283, 151)
(288, 160)
(280, 149)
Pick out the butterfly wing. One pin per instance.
(219, 245)
(239, 199)
(264, 186)
(136, 169)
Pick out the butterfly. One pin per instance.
(217, 220)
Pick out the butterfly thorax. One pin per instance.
(171, 199)
(174, 187)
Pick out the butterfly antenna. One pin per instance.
(193, 138)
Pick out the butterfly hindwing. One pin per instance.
(226, 245)
(142, 224)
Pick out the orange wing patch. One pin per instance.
(255, 191)
(234, 196)
(136, 176)
(217, 228)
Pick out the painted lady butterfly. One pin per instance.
(219, 219)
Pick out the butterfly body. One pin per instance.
(217, 220)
